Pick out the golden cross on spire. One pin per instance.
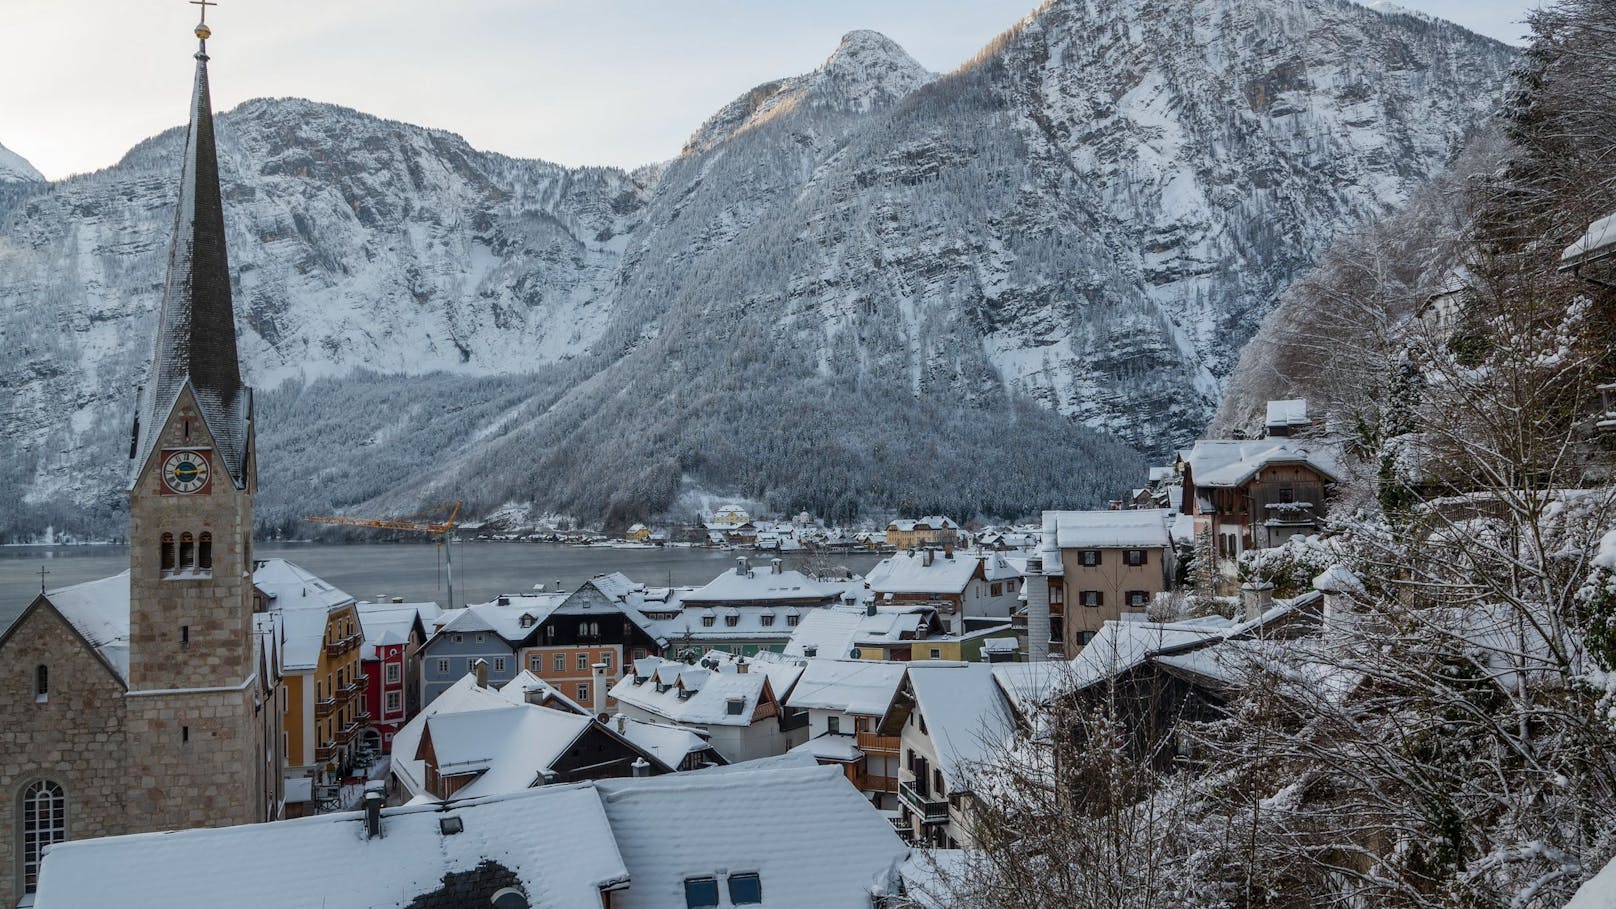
(204, 4)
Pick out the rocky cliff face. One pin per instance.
(845, 290)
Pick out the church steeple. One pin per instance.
(196, 330)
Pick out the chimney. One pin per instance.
(642, 767)
(740, 565)
(481, 666)
(381, 597)
(599, 690)
(927, 556)
(504, 601)
(622, 724)
(1037, 587)
(1256, 597)
(742, 666)
(398, 600)
(948, 549)
(373, 812)
(774, 566)
(869, 608)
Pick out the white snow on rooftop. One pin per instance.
(760, 584)
(707, 702)
(1600, 238)
(825, 848)
(863, 687)
(966, 715)
(1230, 462)
(326, 861)
(291, 586)
(907, 572)
(836, 631)
(1287, 413)
(1144, 528)
(99, 610)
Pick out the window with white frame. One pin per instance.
(443, 667)
(44, 821)
(394, 673)
(499, 664)
(393, 702)
(560, 662)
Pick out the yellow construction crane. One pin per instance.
(442, 529)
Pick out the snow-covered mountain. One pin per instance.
(846, 289)
(16, 169)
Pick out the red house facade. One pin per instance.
(394, 633)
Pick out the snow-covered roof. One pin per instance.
(670, 744)
(326, 861)
(841, 747)
(908, 572)
(1287, 414)
(836, 630)
(99, 610)
(509, 747)
(463, 697)
(1598, 892)
(782, 669)
(1144, 528)
(527, 688)
(302, 637)
(745, 584)
(391, 623)
(291, 586)
(930, 522)
(1121, 645)
(707, 702)
(1231, 462)
(1029, 685)
(863, 687)
(932, 876)
(966, 715)
(826, 848)
(1598, 242)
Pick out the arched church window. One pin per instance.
(187, 552)
(44, 821)
(204, 552)
(168, 552)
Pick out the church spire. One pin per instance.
(196, 330)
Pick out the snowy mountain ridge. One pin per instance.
(16, 169)
(839, 270)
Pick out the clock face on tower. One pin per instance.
(185, 472)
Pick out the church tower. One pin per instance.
(196, 735)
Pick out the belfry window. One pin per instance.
(187, 552)
(44, 821)
(204, 552)
(168, 552)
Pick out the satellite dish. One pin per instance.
(855, 653)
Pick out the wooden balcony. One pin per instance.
(324, 708)
(873, 743)
(870, 782)
(337, 648)
(346, 734)
(326, 752)
(932, 813)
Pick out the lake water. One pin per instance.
(413, 571)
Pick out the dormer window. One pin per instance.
(735, 705)
(766, 620)
(527, 620)
(731, 621)
(708, 621)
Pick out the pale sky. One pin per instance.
(607, 82)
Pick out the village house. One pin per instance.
(1111, 563)
(744, 611)
(558, 637)
(1252, 494)
(949, 717)
(321, 641)
(967, 589)
(475, 740)
(732, 707)
(667, 842)
(390, 660)
(846, 701)
(868, 632)
(932, 530)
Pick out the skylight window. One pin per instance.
(745, 889)
(701, 892)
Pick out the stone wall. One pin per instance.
(75, 737)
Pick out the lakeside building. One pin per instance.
(731, 706)
(932, 530)
(152, 700)
(846, 701)
(967, 589)
(390, 659)
(949, 717)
